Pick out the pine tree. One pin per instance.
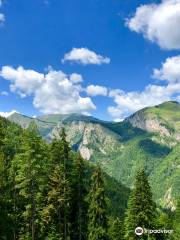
(164, 221)
(9, 145)
(141, 209)
(176, 223)
(79, 206)
(4, 220)
(57, 203)
(56, 213)
(13, 143)
(115, 230)
(97, 212)
(30, 181)
(67, 163)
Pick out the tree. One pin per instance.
(57, 204)
(176, 223)
(97, 215)
(56, 213)
(115, 230)
(164, 220)
(141, 209)
(13, 143)
(30, 181)
(4, 219)
(79, 206)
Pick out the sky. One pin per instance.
(102, 58)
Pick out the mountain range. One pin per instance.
(149, 138)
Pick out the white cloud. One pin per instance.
(76, 78)
(0, 3)
(54, 92)
(2, 18)
(95, 90)
(129, 102)
(7, 114)
(159, 23)
(85, 56)
(25, 82)
(170, 70)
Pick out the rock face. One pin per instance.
(152, 124)
(88, 137)
(163, 119)
(168, 200)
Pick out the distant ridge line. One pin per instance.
(35, 119)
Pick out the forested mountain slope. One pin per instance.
(45, 187)
(149, 138)
(13, 136)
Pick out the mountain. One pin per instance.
(150, 138)
(163, 119)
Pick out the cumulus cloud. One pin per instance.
(85, 56)
(25, 82)
(95, 90)
(158, 22)
(170, 70)
(7, 114)
(129, 102)
(54, 92)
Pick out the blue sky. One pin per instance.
(110, 44)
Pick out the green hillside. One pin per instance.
(117, 193)
(48, 191)
(148, 138)
(163, 119)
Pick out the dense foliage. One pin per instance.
(47, 191)
(141, 211)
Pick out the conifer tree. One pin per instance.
(13, 143)
(141, 209)
(115, 230)
(79, 206)
(4, 221)
(30, 181)
(57, 203)
(97, 212)
(56, 213)
(67, 163)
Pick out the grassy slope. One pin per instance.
(168, 113)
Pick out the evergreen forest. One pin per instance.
(49, 192)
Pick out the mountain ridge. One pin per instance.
(145, 139)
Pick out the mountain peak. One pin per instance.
(168, 104)
(163, 118)
(8, 114)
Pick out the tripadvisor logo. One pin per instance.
(140, 231)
